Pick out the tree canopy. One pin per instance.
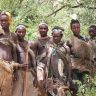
(54, 12)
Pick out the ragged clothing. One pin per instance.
(56, 88)
(58, 69)
(40, 50)
(80, 59)
(59, 60)
(92, 44)
(24, 83)
(80, 54)
(6, 75)
(11, 36)
(7, 55)
(8, 47)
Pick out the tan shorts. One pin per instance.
(40, 73)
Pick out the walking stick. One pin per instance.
(25, 73)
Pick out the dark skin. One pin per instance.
(4, 21)
(25, 58)
(21, 32)
(6, 51)
(76, 29)
(40, 45)
(23, 44)
(43, 29)
(92, 33)
(39, 48)
(57, 36)
(5, 24)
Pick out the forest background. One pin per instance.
(54, 12)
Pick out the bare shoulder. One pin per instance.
(14, 37)
(13, 34)
(32, 44)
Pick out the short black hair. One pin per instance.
(73, 21)
(92, 28)
(20, 25)
(57, 27)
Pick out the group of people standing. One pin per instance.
(47, 66)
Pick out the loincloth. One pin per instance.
(6, 72)
(6, 76)
(40, 71)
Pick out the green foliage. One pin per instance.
(31, 12)
(88, 88)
